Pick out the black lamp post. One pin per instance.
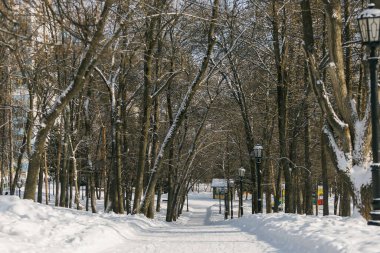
(226, 202)
(258, 152)
(19, 184)
(230, 196)
(187, 201)
(220, 202)
(241, 172)
(369, 25)
(53, 183)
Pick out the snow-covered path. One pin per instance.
(30, 227)
(197, 233)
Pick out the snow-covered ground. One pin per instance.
(26, 226)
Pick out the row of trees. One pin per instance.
(139, 98)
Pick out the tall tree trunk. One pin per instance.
(308, 190)
(118, 168)
(280, 52)
(182, 111)
(240, 99)
(104, 173)
(58, 166)
(324, 176)
(40, 183)
(74, 88)
(87, 193)
(69, 196)
(345, 200)
(88, 150)
(64, 174)
(3, 152)
(47, 185)
(336, 197)
(154, 147)
(170, 173)
(159, 193)
(75, 181)
(115, 190)
(3, 78)
(19, 161)
(268, 173)
(150, 42)
(294, 170)
(347, 50)
(10, 142)
(92, 192)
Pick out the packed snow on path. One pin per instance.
(26, 226)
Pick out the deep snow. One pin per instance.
(26, 226)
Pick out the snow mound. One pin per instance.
(26, 226)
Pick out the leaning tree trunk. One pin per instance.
(182, 111)
(345, 140)
(72, 90)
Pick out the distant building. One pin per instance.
(219, 187)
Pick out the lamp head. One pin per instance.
(258, 152)
(369, 25)
(241, 172)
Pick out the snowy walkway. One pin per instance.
(197, 234)
(28, 227)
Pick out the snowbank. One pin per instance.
(26, 226)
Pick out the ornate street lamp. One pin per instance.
(231, 192)
(19, 184)
(241, 172)
(258, 152)
(369, 25)
(220, 202)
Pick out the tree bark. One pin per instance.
(344, 139)
(150, 41)
(182, 110)
(58, 166)
(10, 141)
(170, 173)
(40, 183)
(280, 51)
(324, 176)
(74, 88)
(47, 185)
(88, 150)
(308, 36)
(64, 174)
